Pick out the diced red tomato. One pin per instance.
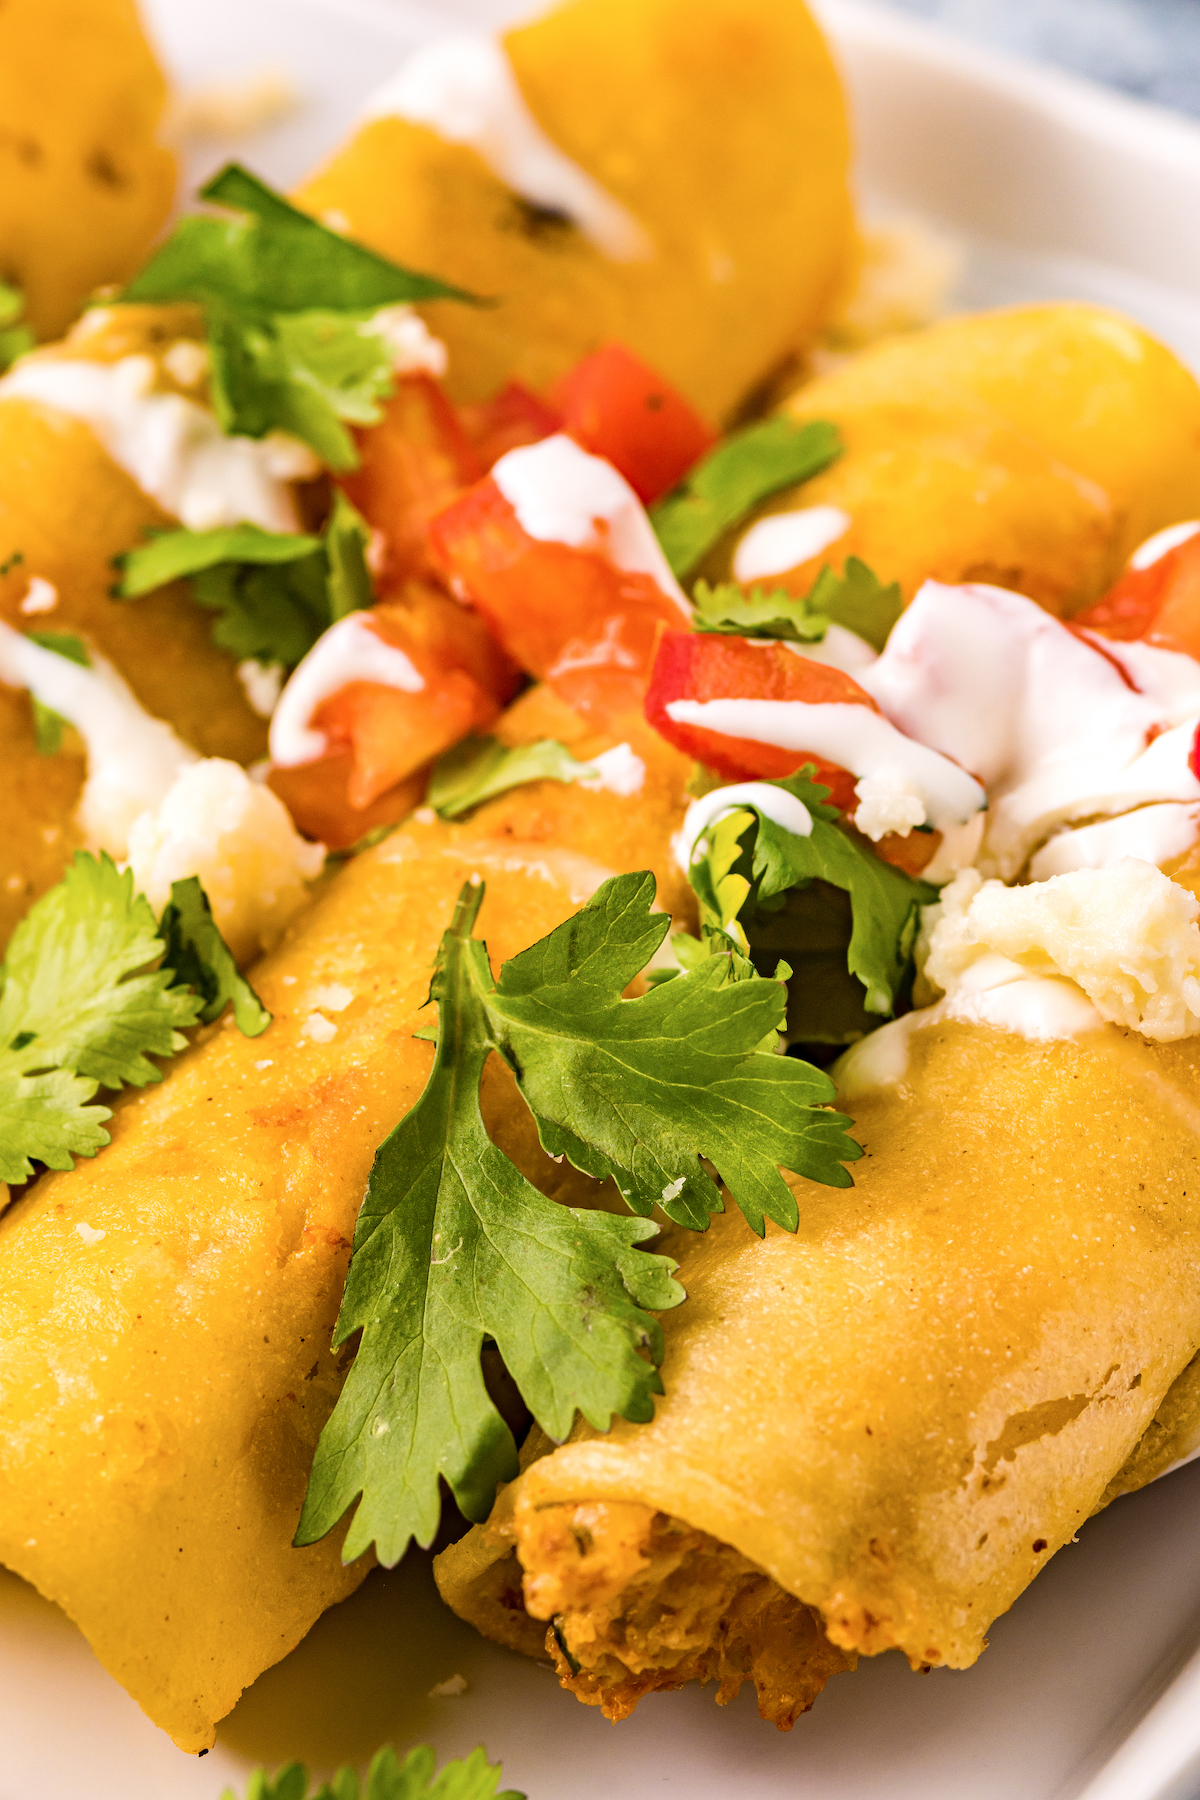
(413, 463)
(379, 736)
(317, 797)
(693, 665)
(568, 616)
(616, 406)
(1160, 604)
(514, 417)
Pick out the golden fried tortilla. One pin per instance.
(897, 1415)
(1034, 447)
(719, 124)
(84, 186)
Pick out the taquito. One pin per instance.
(876, 1432)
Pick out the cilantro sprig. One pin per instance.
(15, 338)
(454, 1246)
(288, 307)
(273, 592)
(93, 988)
(855, 599)
(754, 879)
(480, 768)
(731, 480)
(470, 1778)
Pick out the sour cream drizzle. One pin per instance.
(784, 540)
(171, 446)
(852, 737)
(463, 87)
(1055, 726)
(133, 759)
(351, 650)
(562, 495)
(774, 803)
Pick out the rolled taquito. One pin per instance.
(877, 1431)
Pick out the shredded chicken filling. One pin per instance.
(638, 1601)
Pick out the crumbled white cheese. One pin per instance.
(1126, 935)
(616, 771)
(41, 596)
(318, 1028)
(186, 362)
(238, 837)
(132, 758)
(262, 684)
(91, 1234)
(171, 446)
(333, 997)
(414, 348)
(887, 802)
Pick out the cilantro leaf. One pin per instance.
(643, 1089)
(48, 726)
(288, 306)
(748, 868)
(471, 1778)
(274, 593)
(203, 961)
(15, 338)
(727, 608)
(743, 470)
(479, 768)
(858, 600)
(79, 1001)
(83, 1006)
(453, 1245)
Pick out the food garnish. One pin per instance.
(744, 469)
(479, 768)
(468, 1778)
(273, 592)
(15, 338)
(48, 726)
(747, 863)
(288, 309)
(856, 600)
(454, 1246)
(93, 987)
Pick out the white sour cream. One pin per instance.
(774, 803)
(1047, 719)
(133, 759)
(1162, 543)
(838, 649)
(561, 495)
(784, 540)
(853, 737)
(415, 350)
(463, 87)
(171, 446)
(1152, 833)
(351, 650)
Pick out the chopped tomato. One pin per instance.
(379, 736)
(515, 416)
(1160, 604)
(412, 465)
(693, 665)
(317, 797)
(568, 616)
(616, 406)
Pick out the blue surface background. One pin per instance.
(1147, 47)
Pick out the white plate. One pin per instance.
(1059, 190)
